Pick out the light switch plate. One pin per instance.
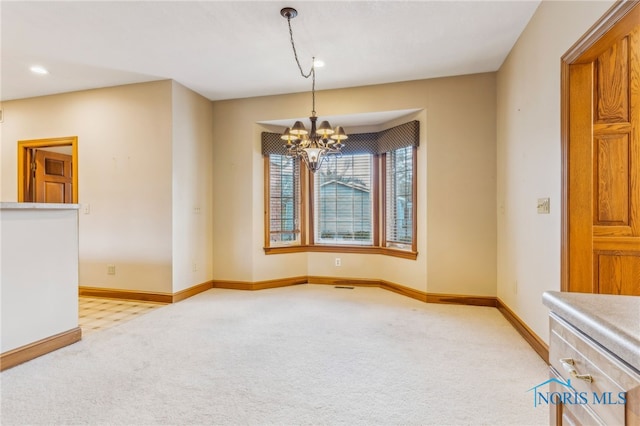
(543, 206)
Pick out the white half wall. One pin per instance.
(39, 273)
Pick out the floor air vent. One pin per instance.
(344, 287)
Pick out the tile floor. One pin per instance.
(99, 313)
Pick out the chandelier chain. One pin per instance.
(311, 73)
(319, 143)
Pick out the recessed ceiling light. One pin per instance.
(37, 69)
(318, 63)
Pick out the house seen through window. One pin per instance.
(343, 197)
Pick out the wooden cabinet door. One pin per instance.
(602, 163)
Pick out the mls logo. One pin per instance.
(570, 396)
(546, 397)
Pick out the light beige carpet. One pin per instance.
(299, 355)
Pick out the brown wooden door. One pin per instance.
(601, 220)
(52, 178)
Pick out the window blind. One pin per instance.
(399, 197)
(343, 201)
(284, 200)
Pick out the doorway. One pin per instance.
(48, 170)
(601, 156)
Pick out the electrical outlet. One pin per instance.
(515, 286)
(195, 267)
(111, 269)
(338, 261)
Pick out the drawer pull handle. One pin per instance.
(568, 363)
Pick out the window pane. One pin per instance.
(399, 198)
(343, 201)
(284, 200)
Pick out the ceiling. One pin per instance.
(236, 49)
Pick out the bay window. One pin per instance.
(363, 201)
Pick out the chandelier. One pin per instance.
(315, 145)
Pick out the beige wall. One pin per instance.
(529, 156)
(456, 182)
(124, 166)
(192, 176)
(145, 153)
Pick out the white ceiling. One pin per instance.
(235, 49)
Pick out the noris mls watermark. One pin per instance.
(570, 396)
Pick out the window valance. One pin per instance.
(407, 134)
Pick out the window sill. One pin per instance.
(404, 254)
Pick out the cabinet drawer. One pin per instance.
(605, 378)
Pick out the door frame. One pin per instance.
(23, 168)
(595, 41)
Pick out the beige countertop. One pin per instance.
(4, 205)
(612, 321)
